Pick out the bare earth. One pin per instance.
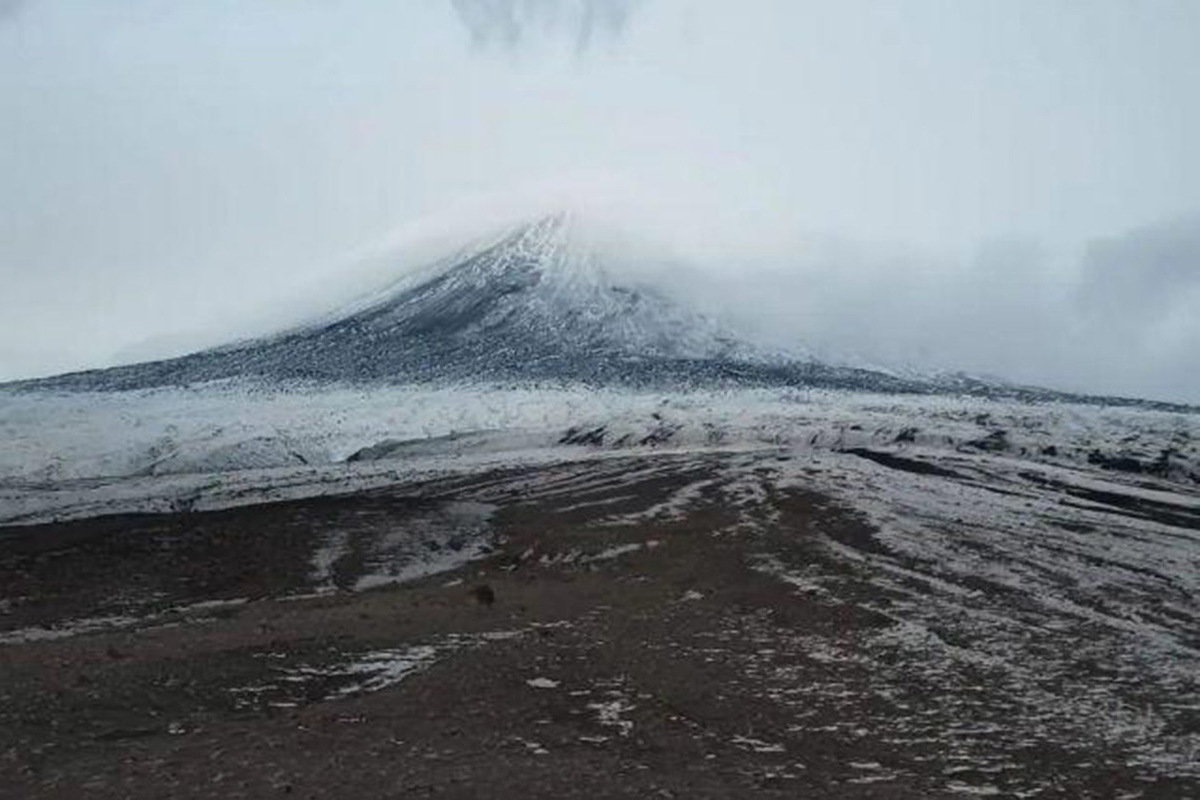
(662, 626)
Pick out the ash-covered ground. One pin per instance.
(848, 597)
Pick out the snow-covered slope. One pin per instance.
(544, 302)
(79, 454)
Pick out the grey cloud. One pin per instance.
(512, 23)
(11, 9)
(1137, 278)
(1137, 303)
(1119, 320)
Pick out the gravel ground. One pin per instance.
(554, 633)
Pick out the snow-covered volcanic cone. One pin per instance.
(542, 301)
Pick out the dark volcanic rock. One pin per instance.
(484, 595)
(994, 442)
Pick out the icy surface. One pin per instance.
(72, 455)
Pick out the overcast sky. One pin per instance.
(1009, 187)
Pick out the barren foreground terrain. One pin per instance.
(652, 626)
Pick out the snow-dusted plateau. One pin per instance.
(517, 520)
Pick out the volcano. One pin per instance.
(537, 303)
(540, 303)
